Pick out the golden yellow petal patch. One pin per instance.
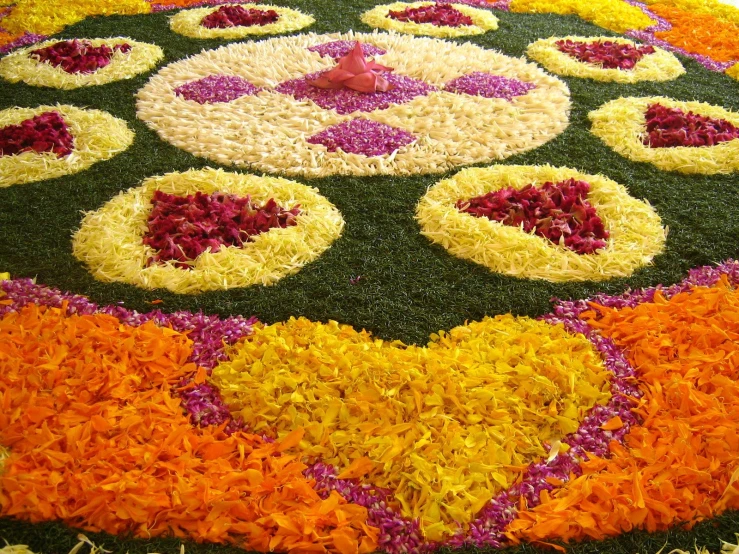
(97, 136)
(444, 426)
(615, 15)
(109, 240)
(659, 66)
(621, 124)
(636, 233)
(483, 21)
(20, 66)
(187, 22)
(39, 17)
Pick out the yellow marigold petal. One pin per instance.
(97, 136)
(660, 66)
(440, 425)
(621, 125)
(187, 22)
(20, 66)
(636, 233)
(109, 239)
(615, 15)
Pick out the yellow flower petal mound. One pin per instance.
(733, 71)
(187, 23)
(444, 426)
(636, 233)
(20, 66)
(97, 136)
(47, 18)
(615, 15)
(109, 240)
(621, 124)
(483, 21)
(660, 66)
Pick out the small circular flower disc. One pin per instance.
(189, 23)
(635, 231)
(622, 125)
(659, 65)
(110, 240)
(89, 136)
(473, 21)
(26, 64)
(449, 423)
(252, 105)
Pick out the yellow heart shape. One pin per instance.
(447, 426)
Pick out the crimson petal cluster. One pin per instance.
(46, 132)
(606, 54)
(238, 16)
(180, 228)
(671, 127)
(78, 56)
(439, 15)
(559, 212)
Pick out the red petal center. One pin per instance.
(181, 228)
(559, 212)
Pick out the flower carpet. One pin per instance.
(360, 277)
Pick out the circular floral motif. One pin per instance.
(634, 228)
(481, 20)
(266, 259)
(622, 125)
(459, 103)
(25, 64)
(660, 65)
(84, 138)
(444, 427)
(189, 23)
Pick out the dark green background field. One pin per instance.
(409, 287)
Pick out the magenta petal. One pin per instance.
(363, 136)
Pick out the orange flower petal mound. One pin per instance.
(699, 33)
(682, 464)
(98, 439)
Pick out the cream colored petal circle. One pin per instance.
(187, 22)
(659, 66)
(97, 136)
(269, 131)
(20, 66)
(109, 240)
(621, 124)
(636, 233)
(482, 21)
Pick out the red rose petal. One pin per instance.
(46, 132)
(559, 212)
(181, 228)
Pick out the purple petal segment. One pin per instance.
(363, 136)
(488, 85)
(346, 101)
(216, 88)
(340, 48)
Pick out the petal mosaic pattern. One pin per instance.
(264, 260)
(190, 23)
(96, 136)
(271, 131)
(634, 228)
(658, 66)
(468, 20)
(23, 65)
(622, 125)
